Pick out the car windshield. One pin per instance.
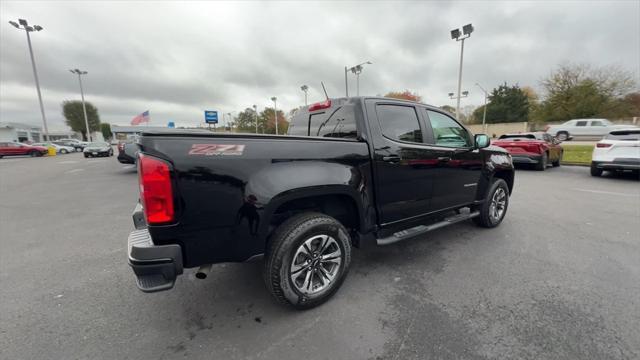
(629, 135)
(518, 137)
(98, 144)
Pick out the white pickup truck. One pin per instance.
(583, 127)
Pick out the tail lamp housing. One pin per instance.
(603, 145)
(156, 189)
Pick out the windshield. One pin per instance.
(518, 137)
(630, 135)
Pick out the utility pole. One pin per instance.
(456, 35)
(484, 112)
(27, 29)
(84, 108)
(255, 110)
(275, 112)
(305, 88)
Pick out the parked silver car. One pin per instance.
(583, 127)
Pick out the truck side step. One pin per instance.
(421, 229)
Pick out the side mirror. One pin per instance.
(482, 141)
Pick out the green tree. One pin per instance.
(74, 117)
(105, 128)
(404, 95)
(580, 91)
(267, 122)
(505, 104)
(246, 121)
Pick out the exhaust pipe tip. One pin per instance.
(203, 271)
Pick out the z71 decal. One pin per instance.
(215, 149)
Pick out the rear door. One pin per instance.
(597, 128)
(580, 128)
(405, 166)
(460, 165)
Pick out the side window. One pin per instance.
(447, 132)
(597, 123)
(399, 122)
(341, 123)
(581, 123)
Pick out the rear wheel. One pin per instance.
(595, 171)
(86, 155)
(307, 260)
(495, 205)
(562, 136)
(63, 151)
(557, 162)
(542, 164)
(34, 154)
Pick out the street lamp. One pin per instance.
(27, 29)
(484, 112)
(455, 34)
(275, 112)
(255, 110)
(357, 69)
(84, 108)
(305, 88)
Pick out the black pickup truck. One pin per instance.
(350, 172)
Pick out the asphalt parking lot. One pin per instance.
(559, 279)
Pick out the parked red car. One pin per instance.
(535, 148)
(12, 148)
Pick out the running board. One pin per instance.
(421, 229)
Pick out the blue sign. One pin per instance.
(171, 124)
(211, 116)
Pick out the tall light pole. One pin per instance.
(275, 111)
(357, 69)
(255, 110)
(455, 34)
(27, 29)
(464, 95)
(305, 88)
(84, 108)
(484, 112)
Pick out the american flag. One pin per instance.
(144, 117)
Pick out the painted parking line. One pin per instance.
(72, 171)
(606, 192)
(68, 162)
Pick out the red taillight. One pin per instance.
(603, 145)
(120, 146)
(154, 176)
(320, 105)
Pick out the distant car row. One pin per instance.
(619, 150)
(583, 127)
(92, 149)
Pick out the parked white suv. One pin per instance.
(583, 127)
(619, 150)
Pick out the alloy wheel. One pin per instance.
(315, 264)
(498, 205)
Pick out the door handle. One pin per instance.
(391, 158)
(444, 159)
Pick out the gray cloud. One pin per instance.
(177, 59)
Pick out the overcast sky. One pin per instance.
(178, 59)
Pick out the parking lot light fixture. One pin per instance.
(84, 108)
(457, 36)
(484, 112)
(357, 69)
(23, 25)
(305, 88)
(275, 112)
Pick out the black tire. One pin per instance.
(287, 241)
(86, 155)
(486, 219)
(63, 151)
(34, 154)
(111, 153)
(557, 162)
(562, 135)
(595, 171)
(542, 164)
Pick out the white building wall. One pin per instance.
(8, 134)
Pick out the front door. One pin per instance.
(461, 168)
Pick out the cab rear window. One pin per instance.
(334, 122)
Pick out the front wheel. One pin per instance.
(63, 151)
(562, 136)
(34, 154)
(542, 164)
(307, 260)
(495, 205)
